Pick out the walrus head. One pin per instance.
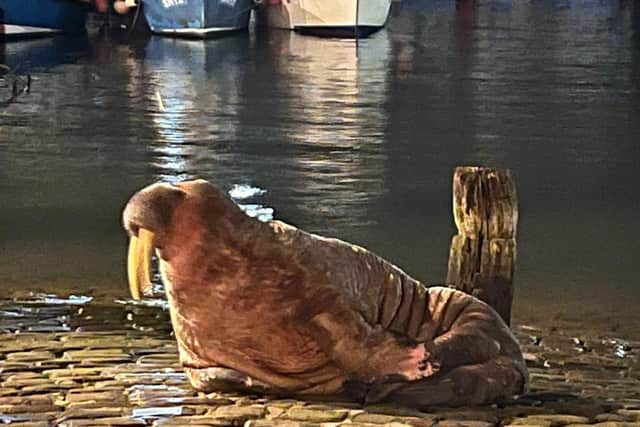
(171, 217)
(147, 219)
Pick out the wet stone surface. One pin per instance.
(76, 362)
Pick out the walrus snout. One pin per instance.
(151, 208)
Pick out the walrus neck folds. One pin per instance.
(214, 222)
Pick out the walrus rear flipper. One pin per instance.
(497, 380)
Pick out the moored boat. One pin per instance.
(197, 18)
(20, 18)
(342, 18)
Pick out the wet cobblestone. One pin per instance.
(77, 363)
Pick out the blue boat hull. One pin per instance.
(56, 15)
(197, 18)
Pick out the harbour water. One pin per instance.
(354, 140)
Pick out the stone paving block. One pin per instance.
(73, 372)
(201, 404)
(11, 419)
(524, 425)
(526, 421)
(377, 419)
(238, 413)
(423, 421)
(44, 399)
(159, 423)
(487, 414)
(112, 396)
(112, 421)
(91, 413)
(8, 391)
(274, 411)
(158, 359)
(617, 424)
(30, 356)
(90, 404)
(286, 403)
(88, 353)
(142, 392)
(397, 424)
(606, 424)
(26, 409)
(301, 413)
(24, 375)
(117, 389)
(333, 403)
(162, 412)
(107, 385)
(463, 423)
(198, 420)
(25, 382)
(31, 424)
(367, 418)
(37, 343)
(199, 409)
(46, 388)
(551, 420)
(634, 413)
(284, 423)
(602, 418)
(629, 403)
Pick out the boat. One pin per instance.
(197, 18)
(24, 18)
(335, 18)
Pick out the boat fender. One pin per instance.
(122, 7)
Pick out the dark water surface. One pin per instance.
(358, 143)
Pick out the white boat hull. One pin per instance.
(327, 14)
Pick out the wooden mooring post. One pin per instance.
(482, 258)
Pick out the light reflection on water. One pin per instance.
(356, 142)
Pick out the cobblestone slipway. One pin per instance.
(76, 363)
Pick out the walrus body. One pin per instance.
(270, 307)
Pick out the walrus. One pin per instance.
(266, 306)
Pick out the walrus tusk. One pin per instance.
(139, 263)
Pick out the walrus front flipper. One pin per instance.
(367, 352)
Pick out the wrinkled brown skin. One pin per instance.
(266, 306)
